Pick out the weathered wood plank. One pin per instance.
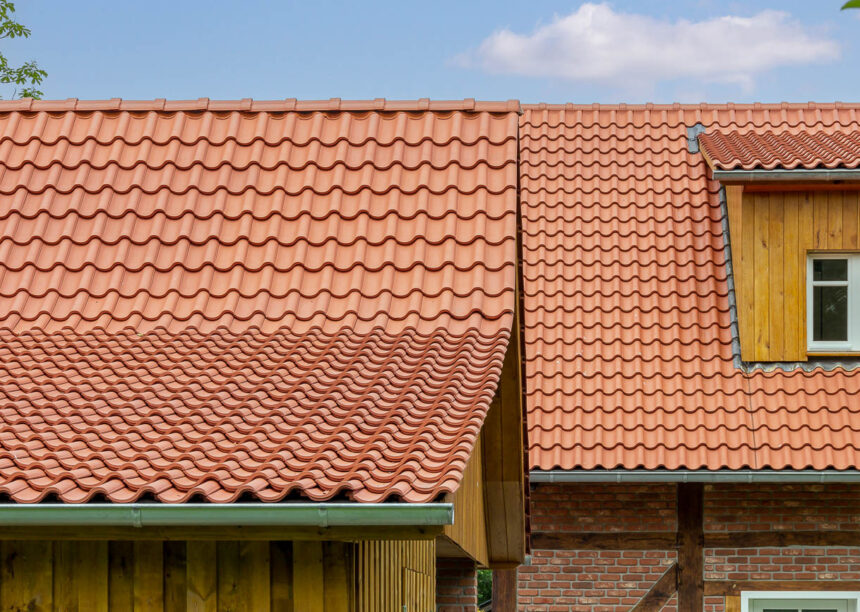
(26, 576)
(850, 220)
(175, 577)
(629, 540)
(660, 593)
(338, 585)
(201, 576)
(806, 238)
(776, 539)
(762, 273)
(834, 220)
(793, 311)
(734, 587)
(120, 575)
(690, 547)
(281, 571)
(733, 603)
(505, 590)
(745, 280)
(255, 576)
(308, 577)
(65, 586)
(229, 590)
(776, 314)
(820, 208)
(148, 577)
(92, 575)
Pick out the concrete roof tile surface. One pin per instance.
(628, 335)
(768, 150)
(251, 299)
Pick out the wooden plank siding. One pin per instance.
(226, 576)
(771, 234)
(395, 574)
(469, 530)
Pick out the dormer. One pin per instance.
(793, 200)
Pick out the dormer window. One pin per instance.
(793, 203)
(833, 307)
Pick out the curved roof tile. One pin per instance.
(225, 299)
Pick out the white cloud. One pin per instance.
(597, 44)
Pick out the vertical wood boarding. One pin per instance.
(207, 576)
(393, 574)
(771, 234)
(469, 530)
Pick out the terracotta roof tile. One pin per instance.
(628, 341)
(790, 149)
(227, 299)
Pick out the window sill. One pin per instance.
(833, 354)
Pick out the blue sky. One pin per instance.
(539, 51)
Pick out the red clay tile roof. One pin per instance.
(788, 149)
(628, 340)
(259, 299)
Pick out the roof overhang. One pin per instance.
(706, 476)
(311, 515)
(798, 175)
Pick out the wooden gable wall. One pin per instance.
(217, 576)
(771, 234)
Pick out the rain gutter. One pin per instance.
(783, 175)
(235, 515)
(713, 476)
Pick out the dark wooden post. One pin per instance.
(691, 581)
(505, 590)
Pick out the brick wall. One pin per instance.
(456, 585)
(573, 507)
(781, 507)
(588, 580)
(613, 581)
(793, 563)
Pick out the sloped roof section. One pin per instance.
(768, 150)
(224, 299)
(627, 316)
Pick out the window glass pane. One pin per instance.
(830, 269)
(830, 314)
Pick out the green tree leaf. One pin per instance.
(851, 4)
(23, 78)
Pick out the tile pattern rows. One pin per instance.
(767, 150)
(216, 304)
(628, 340)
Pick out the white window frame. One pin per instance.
(853, 343)
(845, 601)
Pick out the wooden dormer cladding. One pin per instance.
(789, 194)
(772, 230)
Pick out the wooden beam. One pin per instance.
(221, 533)
(691, 587)
(624, 540)
(776, 539)
(660, 593)
(505, 590)
(728, 588)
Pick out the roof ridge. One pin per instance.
(251, 105)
